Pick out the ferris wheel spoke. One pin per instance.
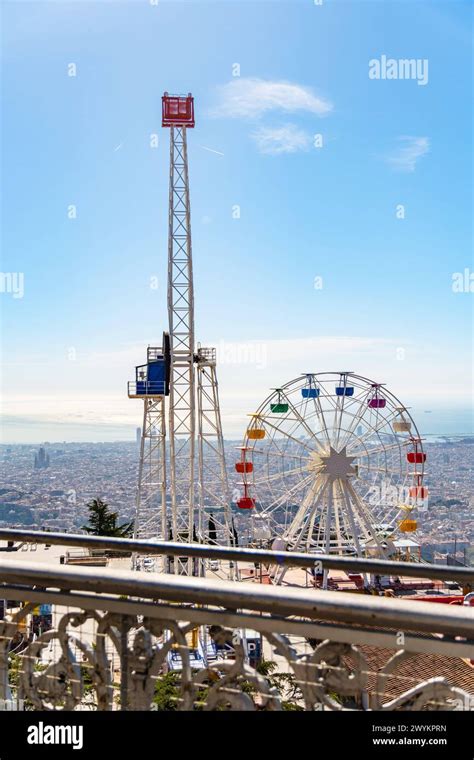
(322, 418)
(381, 470)
(378, 450)
(356, 420)
(281, 475)
(339, 403)
(291, 492)
(341, 406)
(302, 421)
(374, 430)
(287, 435)
(288, 454)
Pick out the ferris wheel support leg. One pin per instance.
(150, 517)
(305, 512)
(327, 537)
(138, 491)
(354, 529)
(212, 473)
(303, 521)
(366, 521)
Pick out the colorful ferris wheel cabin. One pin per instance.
(280, 407)
(246, 502)
(402, 426)
(376, 401)
(408, 526)
(418, 492)
(310, 390)
(416, 457)
(243, 467)
(256, 434)
(344, 390)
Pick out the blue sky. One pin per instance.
(386, 308)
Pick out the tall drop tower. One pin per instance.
(182, 492)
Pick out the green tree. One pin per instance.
(103, 522)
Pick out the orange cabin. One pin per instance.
(408, 526)
(256, 434)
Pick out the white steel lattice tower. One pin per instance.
(181, 324)
(176, 513)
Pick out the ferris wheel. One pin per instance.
(332, 462)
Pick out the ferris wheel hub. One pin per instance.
(336, 464)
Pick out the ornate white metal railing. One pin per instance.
(102, 638)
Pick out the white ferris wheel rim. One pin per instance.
(375, 423)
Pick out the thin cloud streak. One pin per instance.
(277, 140)
(211, 150)
(408, 153)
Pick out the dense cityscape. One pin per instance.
(49, 487)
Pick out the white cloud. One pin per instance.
(286, 139)
(409, 151)
(251, 98)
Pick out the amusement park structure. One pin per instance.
(182, 493)
(332, 463)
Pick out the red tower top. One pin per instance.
(178, 110)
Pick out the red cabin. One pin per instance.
(418, 492)
(177, 110)
(244, 467)
(246, 502)
(416, 457)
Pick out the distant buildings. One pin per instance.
(41, 459)
(57, 497)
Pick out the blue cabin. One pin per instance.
(310, 392)
(151, 378)
(348, 390)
